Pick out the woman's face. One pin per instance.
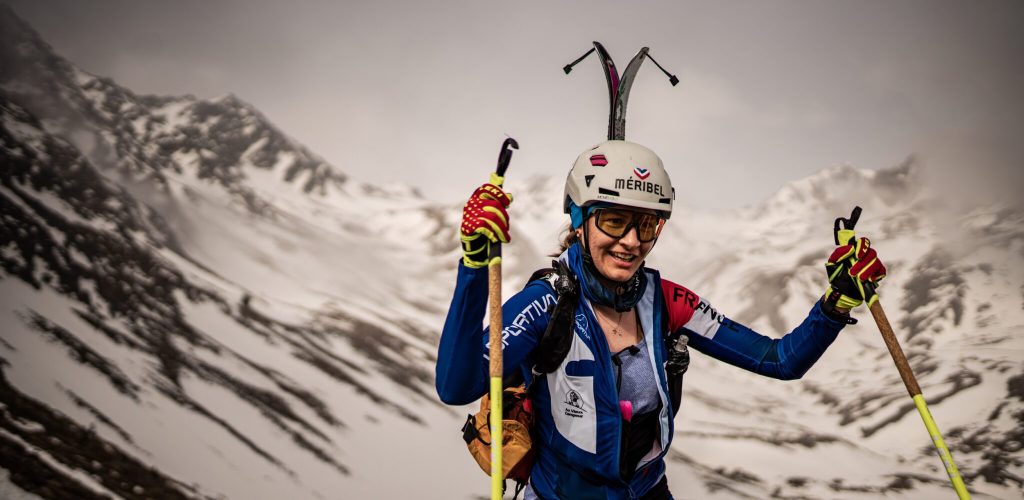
(617, 259)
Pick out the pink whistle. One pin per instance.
(626, 407)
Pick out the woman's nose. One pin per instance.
(631, 238)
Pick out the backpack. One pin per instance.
(517, 435)
(553, 347)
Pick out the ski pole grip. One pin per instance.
(846, 231)
(505, 156)
(854, 217)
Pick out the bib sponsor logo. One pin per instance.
(574, 404)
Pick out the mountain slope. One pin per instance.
(126, 283)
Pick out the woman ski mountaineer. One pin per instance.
(604, 417)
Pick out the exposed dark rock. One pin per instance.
(311, 401)
(804, 439)
(83, 354)
(960, 381)
(934, 280)
(839, 485)
(1015, 387)
(179, 397)
(99, 415)
(713, 479)
(738, 475)
(132, 134)
(75, 448)
(36, 476)
(824, 397)
(98, 251)
(766, 290)
(999, 451)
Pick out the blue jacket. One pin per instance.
(579, 422)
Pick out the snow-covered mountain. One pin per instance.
(204, 296)
(954, 294)
(195, 305)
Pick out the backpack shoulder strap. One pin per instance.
(546, 274)
(554, 344)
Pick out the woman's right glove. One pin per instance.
(854, 272)
(484, 220)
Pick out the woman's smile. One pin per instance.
(616, 259)
(626, 258)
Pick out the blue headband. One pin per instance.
(577, 215)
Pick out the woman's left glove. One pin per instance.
(854, 272)
(484, 220)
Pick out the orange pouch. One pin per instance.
(517, 441)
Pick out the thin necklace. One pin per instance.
(615, 325)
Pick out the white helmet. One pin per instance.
(619, 172)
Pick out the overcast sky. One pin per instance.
(424, 92)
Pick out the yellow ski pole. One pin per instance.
(915, 393)
(495, 350)
(903, 366)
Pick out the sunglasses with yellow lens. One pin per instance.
(617, 222)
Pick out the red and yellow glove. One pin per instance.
(854, 272)
(484, 220)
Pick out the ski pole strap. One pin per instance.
(940, 446)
